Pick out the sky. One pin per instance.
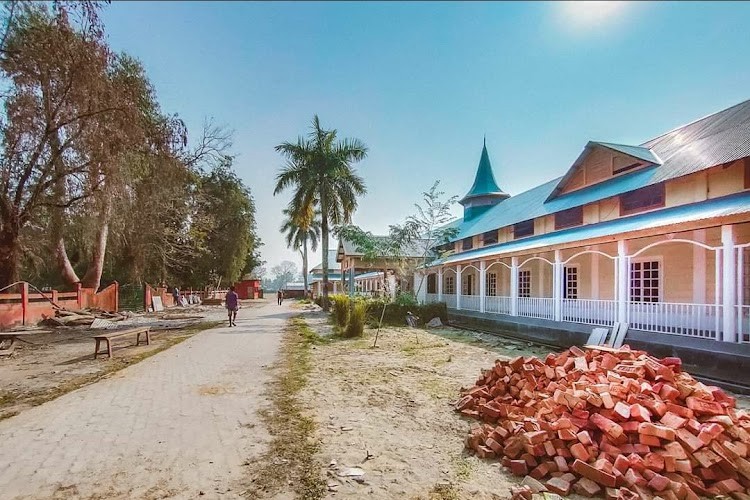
(422, 83)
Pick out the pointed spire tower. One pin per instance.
(484, 193)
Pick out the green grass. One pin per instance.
(291, 455)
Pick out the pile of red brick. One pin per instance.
(614, 422)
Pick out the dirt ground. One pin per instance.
(58, 360)
(388, 411)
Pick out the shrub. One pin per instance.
(406, 299)
(395, 314)
(356, 325)
(340, 309)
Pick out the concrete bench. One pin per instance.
(107, 337)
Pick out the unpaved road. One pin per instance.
(177, 425)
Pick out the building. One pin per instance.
(376, 275)
(655, 235)
(294, 290)
(249, 288)
(315, 276)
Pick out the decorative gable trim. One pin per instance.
(630, 158)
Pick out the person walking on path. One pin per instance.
(280, 296)
(176, 296)
(233, 303)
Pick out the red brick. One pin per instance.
(606, 425)
(659, 431)
(594, 474)
(587, 488)
(688, 440)
(535, 437)
(465, 402)
(494, 446)
(728, 486)
(654, 461)
(533, 484)
(683, 466)
(658, 483)
(519, 467)
(559, 486)
(672, 420)
(639, 413)
(579, 451)
(649, 440)
(709, 432)
(540, 471)
(584, 438)
(562, 464)
(680, 410)
(669, 393)
(622, 464)
(622, 410)
(703, 407)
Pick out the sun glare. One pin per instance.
(591, 14)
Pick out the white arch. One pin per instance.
(535, 258)
(447, 269)
(496, 263)
(468, 266)
(678, 240)
(613, 257)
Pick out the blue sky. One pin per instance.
(421, 83)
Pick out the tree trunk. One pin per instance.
(93, 276)
(10, 253)
(324, 235)
(67, 272)
(304, 264)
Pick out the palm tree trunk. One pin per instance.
(324, 235)
(304, 264)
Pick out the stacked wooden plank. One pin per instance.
(613, 422)
(80, 317)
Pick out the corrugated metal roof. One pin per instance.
(332, 264)
(374, 274)
(719, 207)
(714, 140)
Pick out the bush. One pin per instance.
(356, 325)
(340, 305)
(406, 299)
(395, 314)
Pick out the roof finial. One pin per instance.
(485, 140)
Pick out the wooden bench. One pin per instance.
(7, 350)
(107, 337)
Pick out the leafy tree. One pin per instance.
(281, 274)
(301, 229)
(320, 171)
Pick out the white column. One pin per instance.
(482, 285)
(420, 283)
(392, 285)
(728, 284)
(557, 284)
(459, 287)
(594, 275)
(440, 284)
(514, 286)
(623, 277)
(334, 286)
(699, 267)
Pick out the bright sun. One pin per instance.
(591, 14)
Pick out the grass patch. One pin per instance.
(35, 398)
(290, 458)
(464, 468)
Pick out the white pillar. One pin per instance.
(699, 267)
(623, 277)
(482, 285)
(420, 284)
(459, 286)
(557, 284)
(514, 286)
(334, 286)
(728, 284)
(440, 284)
(392, 285)
(594, 275)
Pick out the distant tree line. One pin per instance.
(97, 182)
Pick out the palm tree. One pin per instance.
(320, 170)
(302, 228)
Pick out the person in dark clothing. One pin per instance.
(176, 296)
(233, 304)
(280, 296)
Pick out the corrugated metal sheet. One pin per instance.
(332, 264)
(720, 207)
(415, 249)
(714, 140)
(639, 152)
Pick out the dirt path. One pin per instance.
(177, 425)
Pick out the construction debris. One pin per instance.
(613, 422)
(82, 317)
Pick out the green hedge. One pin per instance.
(395, 314)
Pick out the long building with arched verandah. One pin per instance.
(655, 235)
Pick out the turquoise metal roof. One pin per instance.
(719, 207)
(716, 139)
(484, 182)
